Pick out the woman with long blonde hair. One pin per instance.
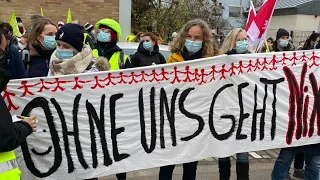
(236, 42)
(194, 41)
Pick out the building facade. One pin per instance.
(56, 10)
(232, 12)
(300, 17)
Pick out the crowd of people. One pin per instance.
(45, 49)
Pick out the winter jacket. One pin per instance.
(38, 65)
(313, 149)
(108, 49)
(184, 56)
(144, 57)
(275, 48)
(234, 51)
(12, 134)
(14, 66)
(231, 52)
(174, 58)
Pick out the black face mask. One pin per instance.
(44, 53)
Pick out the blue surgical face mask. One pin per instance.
(283, 43)
(20, 24)
(147, 46)
(193, 46)
(242, 46)
(64, 53)
(49, 42)
(104, 37)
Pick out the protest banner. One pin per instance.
(93, 125)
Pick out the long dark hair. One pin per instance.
(312, 37)
(37, 30)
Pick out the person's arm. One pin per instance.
(134, 60)
(12, 135)
(90, 42)
(128, 63)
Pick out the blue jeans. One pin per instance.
(241, 158)
(283, 163)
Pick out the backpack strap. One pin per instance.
(90, 66)
(121, 60)
(26, 59)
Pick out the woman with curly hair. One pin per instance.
(194, 41)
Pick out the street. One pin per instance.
(261, 165)
(258, 171)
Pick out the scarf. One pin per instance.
(77, 64)
(187, 57)
(43, 53)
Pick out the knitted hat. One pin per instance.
(71, 34)
(111, 24)
(282, 32)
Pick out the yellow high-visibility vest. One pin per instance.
(9, 167)
(85, 37)
(130, 38)
(115, 61)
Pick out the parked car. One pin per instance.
(131, 48)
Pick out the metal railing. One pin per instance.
(298, 36)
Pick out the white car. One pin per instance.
(132, 47)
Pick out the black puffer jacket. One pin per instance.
(12, 135)
(144, 57)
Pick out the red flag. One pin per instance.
(257, 28)
(251, 27)
(251, 16)
(264, 16)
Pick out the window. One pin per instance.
(235, 11)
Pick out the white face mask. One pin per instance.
(93, 32)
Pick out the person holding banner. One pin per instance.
(72, 56)
(236, 42)
(109, 33)
(9, 55)
(12, 134)
(194, 41)
(42, 44)
(148, 52)
(286, 156)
